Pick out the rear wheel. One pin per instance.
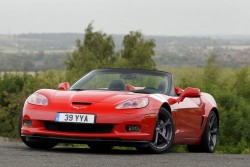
(37, 145)
(163, 135)
(209, 137)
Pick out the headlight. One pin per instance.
(133, 103)
(38, 99)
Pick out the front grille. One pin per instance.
(81, 128)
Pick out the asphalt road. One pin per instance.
(15, 154)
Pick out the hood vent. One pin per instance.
(81, 103)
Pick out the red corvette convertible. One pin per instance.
(125, 107)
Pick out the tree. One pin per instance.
(96, 51)
(211, 75)
(242, 83)
(137, 52)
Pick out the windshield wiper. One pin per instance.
(76, 89)
(147, 90)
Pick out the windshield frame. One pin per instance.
(89, 75)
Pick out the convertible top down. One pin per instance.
(127, 107)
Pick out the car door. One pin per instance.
(189, 117)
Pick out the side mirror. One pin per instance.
(178, 90)
(63, 86)
(189, 92)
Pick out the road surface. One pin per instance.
(15, 154)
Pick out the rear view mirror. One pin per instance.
(63, 86)
(128, 76)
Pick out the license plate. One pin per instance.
(75, 118)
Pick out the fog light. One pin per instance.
(133, 128)
(27, 122)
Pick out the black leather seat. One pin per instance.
(116, 85)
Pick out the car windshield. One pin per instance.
(137, 81)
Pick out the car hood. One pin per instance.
(90, 96)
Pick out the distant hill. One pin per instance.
(35, 50)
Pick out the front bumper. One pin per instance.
(114, 142)
(118, 134)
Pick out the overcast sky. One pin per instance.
(151, 17)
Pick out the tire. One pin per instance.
(100, 147)
(36, 145)
(163, 134)
(209, 137)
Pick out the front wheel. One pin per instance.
(37, 145)
(163, 135)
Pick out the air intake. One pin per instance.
(81, 103)
(79, 128)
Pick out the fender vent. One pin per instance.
(81, 103)
(202, 121)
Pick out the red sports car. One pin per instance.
(125, 107)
